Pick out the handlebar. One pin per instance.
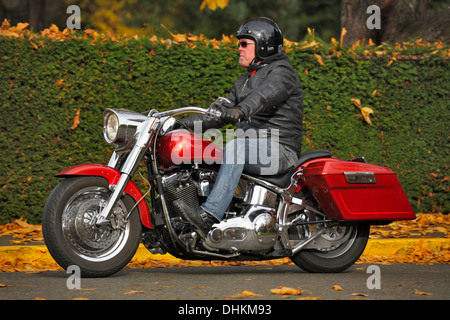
(173, 112)
(191, 109)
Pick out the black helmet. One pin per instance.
(266, 34)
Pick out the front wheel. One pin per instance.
(338, 248)
(72, 236)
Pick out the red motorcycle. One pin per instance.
(318, 214)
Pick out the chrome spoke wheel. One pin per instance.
(85, 238)
(335, 241)
(72, 235)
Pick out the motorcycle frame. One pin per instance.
(286, 196)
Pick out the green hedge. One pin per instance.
(45, 83)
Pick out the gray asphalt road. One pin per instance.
(399, 281)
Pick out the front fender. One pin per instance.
(113, 176)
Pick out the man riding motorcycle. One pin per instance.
(267, 100)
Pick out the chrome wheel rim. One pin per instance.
(86, 239)
(337, 241)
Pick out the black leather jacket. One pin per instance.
(270, 95)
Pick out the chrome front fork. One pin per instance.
(129, 168)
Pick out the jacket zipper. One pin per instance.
(243, 88)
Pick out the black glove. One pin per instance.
(232, 115)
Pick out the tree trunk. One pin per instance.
(31, 11)
(400, 20)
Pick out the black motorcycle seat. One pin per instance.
(284, 180)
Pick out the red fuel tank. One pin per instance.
(183, 147)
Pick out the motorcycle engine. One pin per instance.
(255, 229)
(180, 185)
(252, 229)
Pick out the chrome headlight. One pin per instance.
(121, 127)
(110, 126)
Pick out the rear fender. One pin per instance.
(113, 176)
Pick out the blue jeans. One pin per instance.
(256, 156)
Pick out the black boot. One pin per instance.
(200, 219)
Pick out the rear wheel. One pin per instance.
(72, 236)
(335, 250)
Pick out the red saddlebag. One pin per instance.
(347, 190)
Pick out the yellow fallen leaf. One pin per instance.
(213, 4)
(54, 28)
(335, 42)
(250, 293)
(18, 28)
(176, 37)
(134, 291)
(360, 294)
(215, 44)
(287, 291)
(422, 293)
(310, 298)
(76, 120)
(192, 38)
(311, 44)
(366, 112)
(343, 33)
(357, 102)
(319, 59)
(34, 45)
(227, 39)
(244, 294)
(337, 288)
(19, 241)
(179, 37)
(5, 25)
(21, 26)
(287, 43)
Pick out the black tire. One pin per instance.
(71, 240)
(338, 259)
